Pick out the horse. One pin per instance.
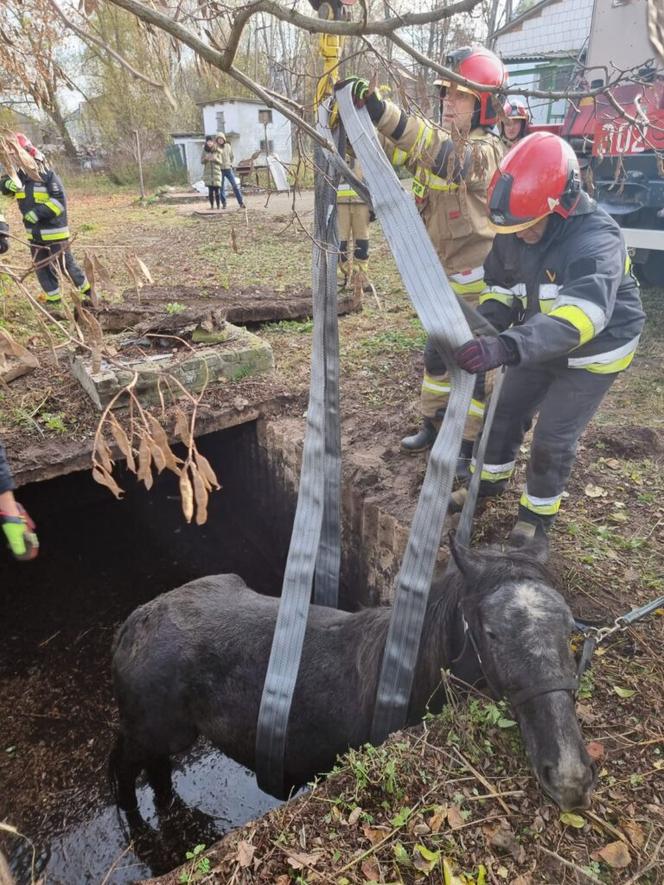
(193, 661)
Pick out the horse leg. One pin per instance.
(124, 767)
(158, 772)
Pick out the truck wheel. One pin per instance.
(652, 270)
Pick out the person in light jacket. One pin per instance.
(227, 160)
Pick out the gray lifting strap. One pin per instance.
(443, 319)
(314, 552)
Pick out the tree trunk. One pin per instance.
(54, 112)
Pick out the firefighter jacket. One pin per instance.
(44, 199)
(450, 186)
(345, 192)
(211, 163)
(571, 299)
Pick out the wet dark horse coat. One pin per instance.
(193, 661)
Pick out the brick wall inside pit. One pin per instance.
(373, 541)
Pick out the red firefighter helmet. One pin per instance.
(516, 111)
(25, 143)
(482, 66)
(539, 176)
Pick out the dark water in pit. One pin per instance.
(100, 558)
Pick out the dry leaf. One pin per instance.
(105, 479)
(206, 470)
(454, 817)
(634, 832)
(103, 452)
(10, 346)
(354, 816)
(201, 496)
(371, 870)
(182, 427)
(503, 838)
(187, 496)
(157, 456)
(300, 860)
(438, 818)
(615, 854)
(245, 853)
(145, 462)
(283, 880)
(613, 463)
(376, 834)
(160, 438)
(593, 491)
(144, 270)
(122, 440)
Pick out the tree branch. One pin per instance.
(96, 41)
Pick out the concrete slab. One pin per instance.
(240, 355)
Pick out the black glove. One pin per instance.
(484, 353)
(363, 98)
(4, 244)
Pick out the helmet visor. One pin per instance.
(445, 86)
(501, 227)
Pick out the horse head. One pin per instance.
(520, 627)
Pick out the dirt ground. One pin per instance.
(449, 807)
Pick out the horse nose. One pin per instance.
(569, 785)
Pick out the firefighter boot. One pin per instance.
(422, 440)
(530, 534)
(463, 464)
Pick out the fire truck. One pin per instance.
(619, 138)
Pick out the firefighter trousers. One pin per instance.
(52, 260)
(353, 221)
(566, 400)
(436, 388)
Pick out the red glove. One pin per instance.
(485, 352)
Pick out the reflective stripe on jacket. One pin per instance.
(46, 198)
(345, 192)
(571, 298)
(450, 188)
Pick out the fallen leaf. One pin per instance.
(634, 832)
(595, 750)
(593, 491)
(454, 817)
(371, 870)
(376, 834)
(613, 463)
(299, 861)
(573, 820)
(503, 838)
(624, 692)
(400, 854)
(615, 854)
(354, 816)
(245, 853)
(283, 880)
(522, 880)
(438, 817)
(424, 859)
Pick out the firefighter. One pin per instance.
(353, 218)
(453, 165)
(43, 205)
(560, 287)
(516, 123)
(17, 527)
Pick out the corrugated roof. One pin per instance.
(230, 100)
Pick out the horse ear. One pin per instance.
(468, 564)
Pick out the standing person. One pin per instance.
(211, 163)
(43, 205)
(18, 528)
(353, 218)
(453, 164)
(227, 160)
(560, 286)
(516, 123)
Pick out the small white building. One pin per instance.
(542, 48)
(245, 122)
